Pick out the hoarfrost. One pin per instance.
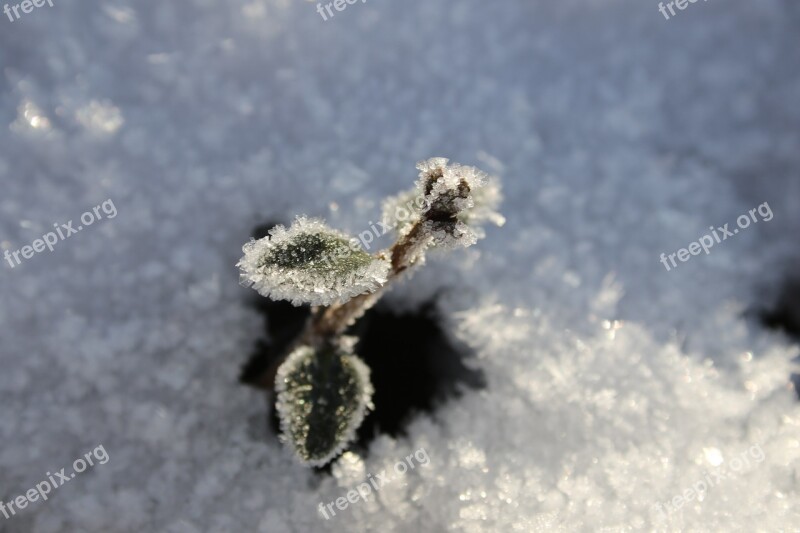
(455, 199)
(323, 396)
(310, 263)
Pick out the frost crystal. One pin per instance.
(310, 263)
(323, 396)
(452, 202)
(486, 199)
(401, 211)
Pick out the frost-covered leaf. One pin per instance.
(323, 396)
(454, 199)
(457, 200)
(310, 263)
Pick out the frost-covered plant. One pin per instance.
(323, 388)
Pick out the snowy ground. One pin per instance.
(613, 385)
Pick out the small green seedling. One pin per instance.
(323, 387)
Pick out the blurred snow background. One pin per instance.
(613, 385)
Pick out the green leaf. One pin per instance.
(310, 263)
(323, 396)
(312, 251)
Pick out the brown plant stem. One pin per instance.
(333, 320)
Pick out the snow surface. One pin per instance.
(613, 385)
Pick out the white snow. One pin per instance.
(613, 385)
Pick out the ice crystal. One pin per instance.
(401, 211)
(452, 201)
(323, 396)
(310, 263)
(486, 199)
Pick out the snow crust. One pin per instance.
(613, 385)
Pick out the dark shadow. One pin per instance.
(414, 366)
(785, 316)
(283, 322)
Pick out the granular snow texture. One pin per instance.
(613, 385)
